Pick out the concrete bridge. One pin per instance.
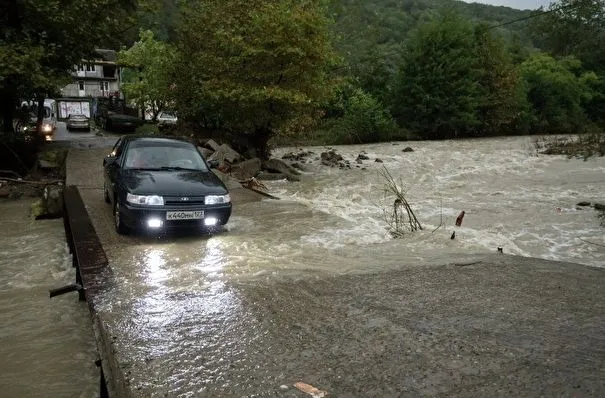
(493, 325)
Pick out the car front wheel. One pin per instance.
(106, 194)
(119, 224)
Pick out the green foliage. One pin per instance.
(501, 93)
(253, 66)
(573, 27)
(150, 82)
(372, 35)
(42, 40)
(364, 120)
(147, 128)
(556, 90)
(437, 91)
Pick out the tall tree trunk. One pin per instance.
(40, 113)
(8, 99)
(9, 17)
(260, 142)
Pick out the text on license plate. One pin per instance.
(184, 215)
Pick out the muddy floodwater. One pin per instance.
(313, 287)
(46, 346)
(263, 302)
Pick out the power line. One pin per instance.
(538, 14)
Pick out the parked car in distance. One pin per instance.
(156, 184)
(167, 119)
(77, 122)
(113, 121)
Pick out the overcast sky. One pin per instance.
(519, 4)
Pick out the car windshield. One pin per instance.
(163, 156)
(79, 117)
(167, 115)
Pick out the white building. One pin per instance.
(99, 77)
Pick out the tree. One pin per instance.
(573, 27)
(150, 82)
(42, 40)
(577, 28)
(499, 105)
(255, 66)
(556, 91)
(437, 90)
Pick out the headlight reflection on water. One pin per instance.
(154, 265)
(213, 259)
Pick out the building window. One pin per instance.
(90, 68)
(81, 85)
(80, 68)
(104, 86)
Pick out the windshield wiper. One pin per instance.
(178, 168)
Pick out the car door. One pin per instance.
(111, 168)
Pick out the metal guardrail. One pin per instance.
(88, 258)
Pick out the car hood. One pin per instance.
(172, 183)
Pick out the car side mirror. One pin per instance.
(108, 160)
(213, 164)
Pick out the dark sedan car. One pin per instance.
(156, 184)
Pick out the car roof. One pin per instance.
(156, 138)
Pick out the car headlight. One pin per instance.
(149, 200)
(47, 128)
(217, 199)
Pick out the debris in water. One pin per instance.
(459, 218)
(309, 389)
(453, 235)
(500, 250)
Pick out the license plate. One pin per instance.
(184, 215)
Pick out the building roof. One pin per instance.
(107, 55)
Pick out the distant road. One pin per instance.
(90, 137)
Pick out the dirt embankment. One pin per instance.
(44, 181)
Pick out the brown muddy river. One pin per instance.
(46, 346)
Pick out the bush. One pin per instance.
(147, 128)
(364, 120)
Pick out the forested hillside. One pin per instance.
(371, 36)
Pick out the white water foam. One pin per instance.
(513, 199)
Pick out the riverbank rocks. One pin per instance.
(246, 169)
(53, 199)
(300, 156)
(278, 165)
(361, 157)
(225, 155)
(333, 159)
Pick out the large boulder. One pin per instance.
(206, 153)
(333, 159)
(246, 169)
(211, 144)
(53, 199)
(225, 155)
(278, 165)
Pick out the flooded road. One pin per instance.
(312, 287)
(46, 346)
